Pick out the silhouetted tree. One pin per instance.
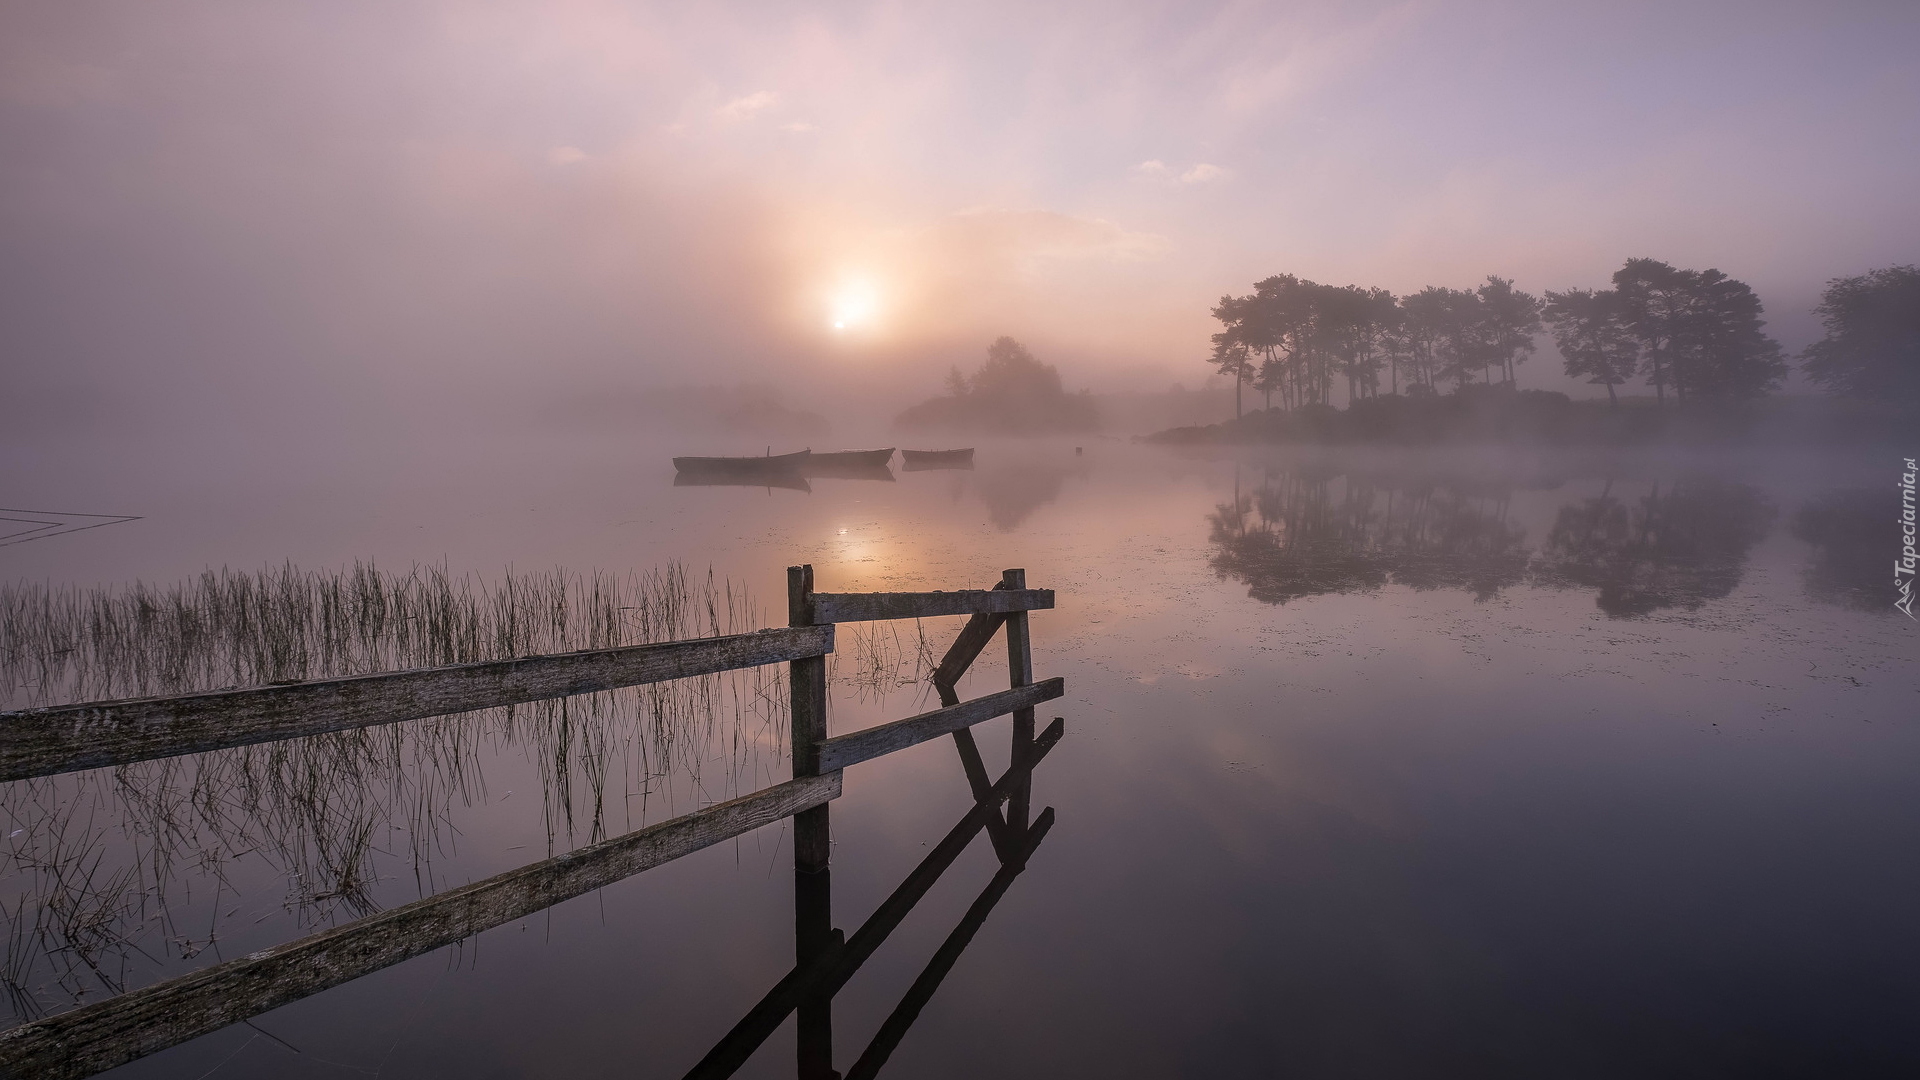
(1872, 347)
(1593, 337)
(1699, 332)
(1232, 358)
(1383, 322)
(1347, 335)
(1404, 342)
(1233, 346)
(1722, 353)
(1509, 320)
(1452, 323)
(1653, 303)
(1283, 321)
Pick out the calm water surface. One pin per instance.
(1421, 764)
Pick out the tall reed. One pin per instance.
(239, 628)
(102, 871)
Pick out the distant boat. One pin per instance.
(868, 458)
(770, 464)
(833, 470)
(916, 460)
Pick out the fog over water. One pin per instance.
(1375, 761)
(1577, 739)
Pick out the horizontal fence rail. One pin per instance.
(875, 607)
(855, 747)
(97, 1037)
(67, 738)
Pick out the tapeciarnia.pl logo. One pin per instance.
(1903, 566)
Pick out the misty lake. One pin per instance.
(1420, 763)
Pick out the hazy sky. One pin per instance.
(213, 207)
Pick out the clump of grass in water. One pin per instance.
(875, 659)
(62, 643)
(317, 811)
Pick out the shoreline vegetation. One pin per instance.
(1695, 337)
(1503, 414)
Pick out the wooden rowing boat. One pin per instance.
(868, 458)
(742, 466)
(916, 460)
(831, 470)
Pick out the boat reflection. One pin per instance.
(824, 467)
(769, 479)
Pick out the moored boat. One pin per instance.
(867, 458)
(742, 466)
(938, 459)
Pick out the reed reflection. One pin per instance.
(1304, 532)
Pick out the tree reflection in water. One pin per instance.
(1849, 532)
(1677, 549)
(1309, 532)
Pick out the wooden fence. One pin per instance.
(100, 1036)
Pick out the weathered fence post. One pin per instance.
(812, 841)
(1020, 668)
(808, 684)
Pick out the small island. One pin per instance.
(1012, 393)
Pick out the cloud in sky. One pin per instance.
(743, 107)
(589, 190)
(1199, 173)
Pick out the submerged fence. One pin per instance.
(93, 1038)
